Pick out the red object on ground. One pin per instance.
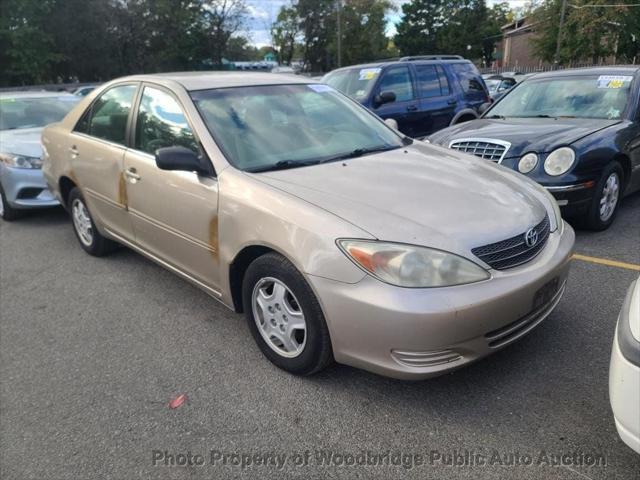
(176, 402)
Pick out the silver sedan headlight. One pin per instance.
(528, 162)
(559, 161)
(410, 265)
(20, 161)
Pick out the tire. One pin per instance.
(7, 212)
(312, 352)
(85, 228)
(598, 217)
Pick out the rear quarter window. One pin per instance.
(468, 77)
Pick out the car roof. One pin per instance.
(383, 63)
(33, 94)
(622, 70)
(209, 80)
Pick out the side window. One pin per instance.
(107, 118)
(428, 82)
(398, 81)
(444, 81)
(161, 123)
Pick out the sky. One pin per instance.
(263, 13)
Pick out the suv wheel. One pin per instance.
(83, 225)
(284, 316)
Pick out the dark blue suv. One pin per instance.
(423, 94)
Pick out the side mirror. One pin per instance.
(391, 122)
(384, 97)
(181, 158)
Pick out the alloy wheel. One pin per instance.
(279, 317)
(609, 198)
(82, 222)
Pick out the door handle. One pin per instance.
(131, 173)
(412, 108)
(73, 150)
(452, 101)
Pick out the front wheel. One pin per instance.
(284, 316)
(91, 240)
(606, 199)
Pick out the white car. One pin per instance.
(624, 371)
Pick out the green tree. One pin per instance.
(284, 33)
(417, 31)
(363, 26)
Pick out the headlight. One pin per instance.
(412, 266)
(559, 161)
(528, 162)
(20, 161)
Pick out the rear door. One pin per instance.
(437, 102)
(474, 92)
(174, 213)
(96, 155)
(405, 109)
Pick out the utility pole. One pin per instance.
(556, 58)
(339, 33)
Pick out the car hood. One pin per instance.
(422, 194)
(540, 135)
(21, 141)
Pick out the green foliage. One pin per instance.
(284, 33)
(589, 34)
(96, 40)
(462, 27)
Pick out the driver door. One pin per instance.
(405, 109)
(174, 213)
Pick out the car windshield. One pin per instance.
(355, 82)
(492, 85)
(283, 126)
(18, 112)
(592, 96)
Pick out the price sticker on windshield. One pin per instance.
(613, 81)
(368, 73)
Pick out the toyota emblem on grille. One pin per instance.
(531, 237)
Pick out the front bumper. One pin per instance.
(413, 333)
(26, 188)
(574, 198)
(624, 379)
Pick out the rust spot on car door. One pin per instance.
(122, 191)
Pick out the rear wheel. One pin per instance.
(606, 199)
(85, 229)
(7, 212)
(284, 316)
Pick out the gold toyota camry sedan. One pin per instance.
(337, 236)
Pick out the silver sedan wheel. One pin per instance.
(82, 222)
(609, 198)
(279, 317)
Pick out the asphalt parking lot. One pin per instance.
(92, 350)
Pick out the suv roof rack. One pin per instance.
(413, 58)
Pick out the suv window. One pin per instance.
(107, 117)
(432, 81)
(398, 81)
(161, 123)
(468, 77)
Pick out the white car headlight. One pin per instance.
(20, 161)
(528, 162)
(559, 161)
(412, 266)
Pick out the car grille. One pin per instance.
(488, 149)
(513, 251)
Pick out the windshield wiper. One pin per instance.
(501, 117)
(283, 165)
(359, 152)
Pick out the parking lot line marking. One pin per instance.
(609, 263)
